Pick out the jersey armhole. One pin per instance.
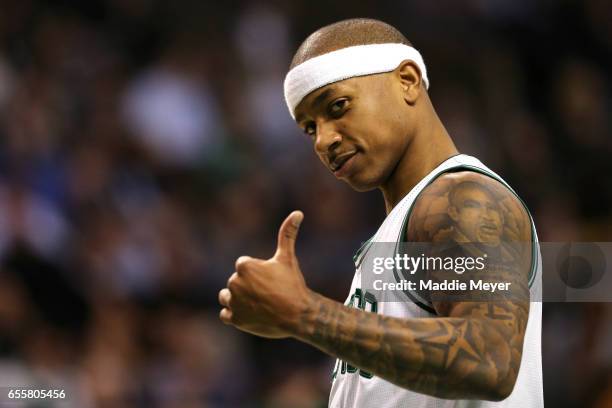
(427, 305)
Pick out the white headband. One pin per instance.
(347, 63)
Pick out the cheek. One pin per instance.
(383, 140)
(392, 135)
(496, 218)
(320, 157)
(377, 122)
(468, 215)
(393, 113)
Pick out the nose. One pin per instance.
(489, 214)
(327, 138)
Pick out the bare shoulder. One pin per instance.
(471, 214)
(471, 207)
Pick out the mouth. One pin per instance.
(489, 229)
(339, 161)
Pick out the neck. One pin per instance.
(429, 147)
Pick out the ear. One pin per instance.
(410, 80)
(453, 214)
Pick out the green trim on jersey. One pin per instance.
(361, 250)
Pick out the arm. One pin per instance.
(472, 351)
(474, 355)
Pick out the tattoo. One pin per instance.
(473, 349)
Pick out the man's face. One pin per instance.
(477, 215)
(360, 128)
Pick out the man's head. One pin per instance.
(360, 126)
(476, 213)
(347, 33)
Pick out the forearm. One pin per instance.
(450, 357)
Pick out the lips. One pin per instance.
(489, 228)
(339, 161)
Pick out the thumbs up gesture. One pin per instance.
(268, 297)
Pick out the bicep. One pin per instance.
(474, 221)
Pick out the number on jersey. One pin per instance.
(364, 301)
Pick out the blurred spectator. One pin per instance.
(172, 114)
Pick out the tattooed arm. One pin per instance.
(473, 349)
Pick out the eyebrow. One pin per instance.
(317, 101)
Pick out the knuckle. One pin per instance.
(242, 262)
(225, 296)
(232, 283)
(232, 278)
(225, 315)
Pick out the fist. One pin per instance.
(268, 297)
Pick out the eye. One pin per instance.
(337, 107)
(310, 129)
(471, 204)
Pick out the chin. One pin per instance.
(362, 186)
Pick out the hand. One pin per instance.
(267, 297)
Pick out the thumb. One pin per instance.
(287, 234)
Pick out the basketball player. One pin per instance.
(359, 90)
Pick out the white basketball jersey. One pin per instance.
(354, 388)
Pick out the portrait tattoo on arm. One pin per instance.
(473, 348)
(468, 214)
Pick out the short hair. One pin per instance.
(465, 186)
(347, 33)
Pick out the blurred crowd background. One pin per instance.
(145, 144)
